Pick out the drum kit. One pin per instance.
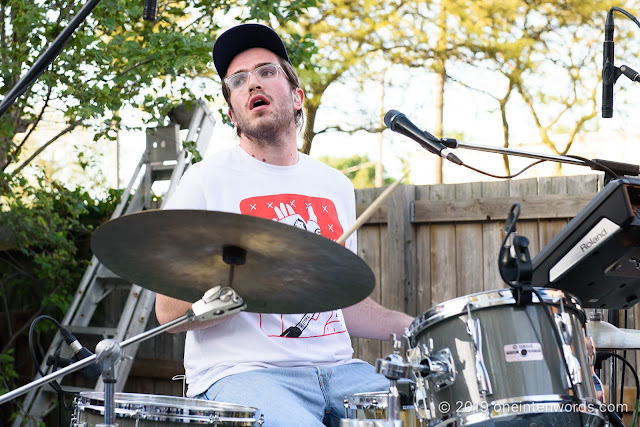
(510, 356)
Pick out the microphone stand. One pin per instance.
(606, 166)
(49, 55)
(217, 302)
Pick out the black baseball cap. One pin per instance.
(243, 37)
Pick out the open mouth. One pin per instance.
(258, 101)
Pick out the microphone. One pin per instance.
(398, 122)
(608, 69)
(631, 74)
(150, 10)
(80, 352)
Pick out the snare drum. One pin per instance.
(147, 410)
(508, 366)
(373, 406)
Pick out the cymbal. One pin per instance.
(179, 253)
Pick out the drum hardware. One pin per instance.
(482, 376)
(393, 367)
(420, 398)
(563, 326)
(436, 367)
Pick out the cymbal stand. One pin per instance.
(217, 302)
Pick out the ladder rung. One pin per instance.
(161, 175)
(93, 330)
(107, 276)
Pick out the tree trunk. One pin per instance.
(309, 134)
(441, 77)
(438, 128)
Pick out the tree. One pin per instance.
(114, 60)
(351, 38)
(359, 169)
(521, 43)
(543, 51)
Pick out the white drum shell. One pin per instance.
(147, 410)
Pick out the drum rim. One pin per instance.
(487, 299)
(211, 418)
(87, 398)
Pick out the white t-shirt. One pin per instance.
(309, 195)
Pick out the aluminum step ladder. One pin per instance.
(163, 160)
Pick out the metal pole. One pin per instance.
(47, 57)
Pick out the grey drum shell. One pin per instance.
(529, 385)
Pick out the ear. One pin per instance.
(298, 98)
(230, 113)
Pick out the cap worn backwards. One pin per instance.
(243, 37)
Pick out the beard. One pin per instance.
(267, 129)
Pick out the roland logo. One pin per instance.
(585, 246)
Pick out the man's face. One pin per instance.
(262, 110)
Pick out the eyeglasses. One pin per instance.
(264, 72)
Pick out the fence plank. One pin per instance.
(398, 257)
(369, 250)
(533, 207)
(492, 236)
(468, 242)
(423, 255)
(443, 251)
(423, 269)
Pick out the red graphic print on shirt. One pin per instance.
(316, 215)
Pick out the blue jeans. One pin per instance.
(298, 397)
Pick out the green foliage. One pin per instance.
(8, 373)
(359, 169)
(191, 147)
(45, 230)
(113, 60)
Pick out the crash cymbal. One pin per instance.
(179, 253)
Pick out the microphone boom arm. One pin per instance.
(605, 165)
(452, 143)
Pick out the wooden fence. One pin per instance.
(430, 244)
(425, 245)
